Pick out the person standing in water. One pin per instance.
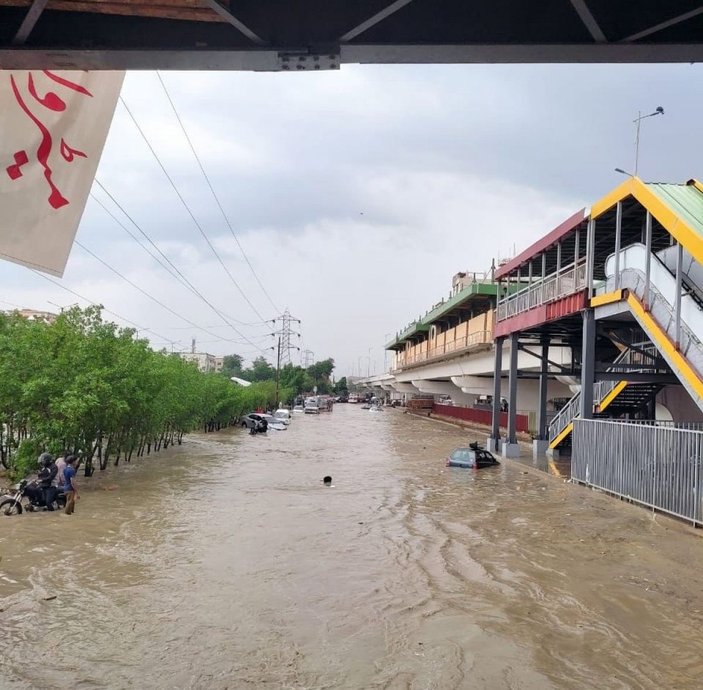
(69, 487)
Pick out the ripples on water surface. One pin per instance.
(226, 564)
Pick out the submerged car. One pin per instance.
(283, 415)
(250, 421)
(473, 457)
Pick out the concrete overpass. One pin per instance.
(466, 376)
(270, 35)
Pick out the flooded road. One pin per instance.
(226, 564)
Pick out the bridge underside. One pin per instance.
(322, 34)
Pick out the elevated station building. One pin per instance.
(591, 339)
(449, 353)
(622, 288)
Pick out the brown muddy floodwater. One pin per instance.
(226, 564)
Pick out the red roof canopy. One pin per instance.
(569, 225)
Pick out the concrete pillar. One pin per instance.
(588, 363)
(493, 443)
(541, 443)
(510, 448)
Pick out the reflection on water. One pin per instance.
(227, 564)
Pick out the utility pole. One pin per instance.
(278, 371)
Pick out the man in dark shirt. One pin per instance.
(47, 474)
(69, 487)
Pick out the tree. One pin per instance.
(260, 370)
(232, 365)
(82, 384)
(341, 386)
(320, 373)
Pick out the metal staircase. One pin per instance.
(618, 397)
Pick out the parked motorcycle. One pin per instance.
(11, 504)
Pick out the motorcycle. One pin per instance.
(11, 504)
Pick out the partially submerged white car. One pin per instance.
(282, 415)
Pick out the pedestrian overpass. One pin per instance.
(271, 35)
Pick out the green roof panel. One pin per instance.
(684, 200)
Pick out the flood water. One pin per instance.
(226, 564)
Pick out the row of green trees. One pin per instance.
(294, 380)
(81, 384)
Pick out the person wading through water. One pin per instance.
(69, 486)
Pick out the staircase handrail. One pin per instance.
(655, 295)
(601, 389)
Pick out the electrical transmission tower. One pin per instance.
(284, 334)
(307, 358)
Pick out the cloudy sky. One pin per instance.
(356, 194)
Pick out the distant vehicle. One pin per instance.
(299, 408)
(353, 398)
(282, 415)
(474, 457)
(311, 408)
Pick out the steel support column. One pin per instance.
(588, 363)
(647, 258)
(512, 390)
(677, 303)
(590, 244)
(494, 439)
(618, 235)
(542, 423)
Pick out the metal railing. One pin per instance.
(569, 280)
(602, 388)
(455, 346)
(690, 345)
(655, 466)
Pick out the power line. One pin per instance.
(185, 280)
(212, 190)
(187, 208)
(170, 267)
(154, 299)
(103, 307)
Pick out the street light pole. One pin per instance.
(638, 122)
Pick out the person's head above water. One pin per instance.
(327, 481)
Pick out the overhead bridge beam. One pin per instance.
(268, 58)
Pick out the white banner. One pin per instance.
(53, 126)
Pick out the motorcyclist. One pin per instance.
(260, 426)
(46, 475)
